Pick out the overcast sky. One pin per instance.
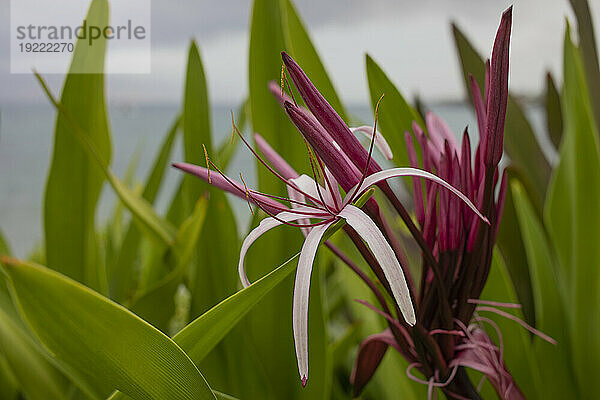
(411, 39)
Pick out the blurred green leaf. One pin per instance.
(141, 210)
(122, 275)
(554, 121)
(102, 344)
(212, 276)
(573, 218)
(518, 351)
(157, 304)
(520, 143)
(510, 243)
(589, 52)
(275, 26)
(9, 386)
(74, 181)
(559, 381)
(299, 46)
(230, 145)
(201, 336)
(395, 115)
(38, 378)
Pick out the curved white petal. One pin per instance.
(308, 186)
(414, 172)
(264, 226)
(334, 186)
(301, 291)
(380, 141)
(382, 251)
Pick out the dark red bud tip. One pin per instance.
(304, 381)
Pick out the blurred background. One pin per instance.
(411, 40)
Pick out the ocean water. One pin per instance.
(26, 139)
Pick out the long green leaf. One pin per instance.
(589, 52)
(38, 378)
(100, 342)
(141, 210)
(212, 275)
(395, 115)
(518, 352)
(554, 121)
(559, 381)
(299, 45)
(74, 181)
(201, 336)
(268, 327)
(573, 218)
(157, 304)
(123, 273)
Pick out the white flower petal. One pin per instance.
(380, 141)
(264, 226)
(301, 292)
(414, 172)
(382, 251)
(308, 186)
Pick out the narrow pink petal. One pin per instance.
(370, 354)
(498, 92)
(229, 185)
(417, 186)
(382, 251)
(479, 106)
(265, 225)
(414, 172)
(301, 292)
(439, 131)
(278, 163)
(380, 141)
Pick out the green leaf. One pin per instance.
(157, 304)
(559, 381)
(38, 378)
(276, 27)
(589, 52)
(201, 336)
(9, 386)
(520, 143)
(518, 352)
(395, 115)
(573, 218)
(141, 210)
(213, 274)
(74, 181)
(100, 342)
(299, 46)
(123, 273)
(510, 243)
(554, 121)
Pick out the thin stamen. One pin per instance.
(329, 184)
(207, 163)
(366, 170)
(287, 182)
(247, 195)
(288, 200)
(312, 165)
(285, 79)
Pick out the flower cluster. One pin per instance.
(457, 214)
